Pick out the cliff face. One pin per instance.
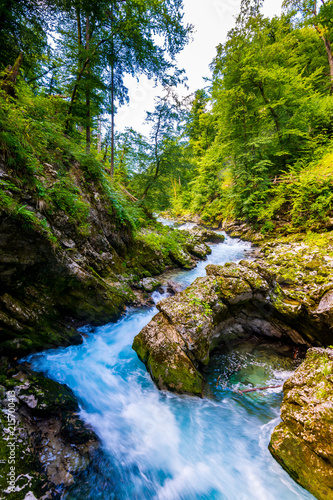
(54, 266)
(70, 256)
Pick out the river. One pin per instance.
(158, 445)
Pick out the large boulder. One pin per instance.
(52, 444)
(233, 301)
(204, 234)
(302, 443)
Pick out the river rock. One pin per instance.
(173, 371)
(52, 444)
(233, 301)
(302, 443)
(203, 234)
(149, 284)
(172, 287)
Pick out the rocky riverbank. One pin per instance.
(286, 293)
(52, 445)
(44, 443)
(47, 288)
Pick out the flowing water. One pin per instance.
(157, 445)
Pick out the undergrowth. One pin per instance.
(51, 169)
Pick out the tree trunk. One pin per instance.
(99, 136)
(112, 122)
(157, 157)
(272, 110)
(330, 60)
(79, 34)
(88, 130)
(88, 117)
(9, 80)
(327, 44)
(105, 153)
(112, 101)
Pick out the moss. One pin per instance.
(140, 348)
(309, 470)
(27, 472)
(302, 442)
(178, 377)
(51, 396)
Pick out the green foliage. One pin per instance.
(119, 206)
(22, 28)
(101, 42)
(267, 227)
(257, 145)
(22, 213)
(304, 194)
(166, 240)
(49, 166)
(154, 169)
(269, 126)
(65, 195)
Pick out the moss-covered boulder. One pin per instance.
(171, 247)
(162, 349)
(51, 444)
(302, 443)
(233, 301)
(204, 234)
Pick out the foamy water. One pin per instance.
(157, 445)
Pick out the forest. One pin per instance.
(255, 144)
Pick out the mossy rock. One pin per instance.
(302, 443)
(25, 473)
(159, 346)
(43, 395)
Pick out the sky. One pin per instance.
(212, 19)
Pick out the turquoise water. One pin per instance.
(157, 445)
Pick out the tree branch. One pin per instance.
(41, 76)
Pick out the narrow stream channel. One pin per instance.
(157, 445)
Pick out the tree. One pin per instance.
(132, 155)
(154, 168)
(262, 94)
(165, 120)
(122, 40)
(267, 110)
(321, 18)
(23, 28)
(201, 124)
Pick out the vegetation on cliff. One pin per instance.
(71, 242)
(255, 145)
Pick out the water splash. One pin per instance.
(161, 446)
